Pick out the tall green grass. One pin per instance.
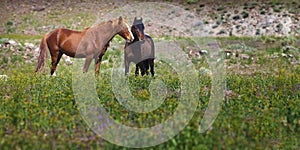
(261, 110)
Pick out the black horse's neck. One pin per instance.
(135, 35)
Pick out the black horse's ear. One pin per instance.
(134, 18)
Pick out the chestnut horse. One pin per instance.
(140, 50)
(91, 43)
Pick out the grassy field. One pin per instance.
(260, 111)
(261, 97)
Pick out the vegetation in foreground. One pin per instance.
(260, 111)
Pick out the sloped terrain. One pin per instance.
(256, 42)
(218, 18)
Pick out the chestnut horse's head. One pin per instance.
(124, 30)
(138, 28)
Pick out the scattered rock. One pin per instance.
(287, 49)
(221, 32)
(255, 20)
(284, 55)
(3, 66)
(199, 23)
(203, 52)
(279, 27)
(275, 55)
(11, 42)
(191, 52)
(105, 62)
(205, 72)
(38, 8)
(229, 93)
(67, 60)
(3, 77)
(227, 51)
(215, 26)
(245, 56)
(237, 17)
(29, 45)
(36, 50)
(28, 51)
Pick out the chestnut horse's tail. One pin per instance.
(42, 54)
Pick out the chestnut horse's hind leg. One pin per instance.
(55, 57)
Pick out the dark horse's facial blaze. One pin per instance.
(139, 30)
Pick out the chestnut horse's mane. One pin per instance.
(96, 25)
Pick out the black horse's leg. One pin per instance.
(151, 63)
(55, 57)
(143, 68)
(146, 64)
(137, 67)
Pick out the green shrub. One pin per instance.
(245, 14)
(192, 1)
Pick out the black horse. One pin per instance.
(140, 50)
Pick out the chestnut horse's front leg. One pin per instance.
(97, 64)
(87, 63)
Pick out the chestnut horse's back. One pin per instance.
(50, 42)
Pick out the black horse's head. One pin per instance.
(137, 29)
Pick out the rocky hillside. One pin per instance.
(250, 18)
(215, 18)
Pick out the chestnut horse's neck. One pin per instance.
(110, 28)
